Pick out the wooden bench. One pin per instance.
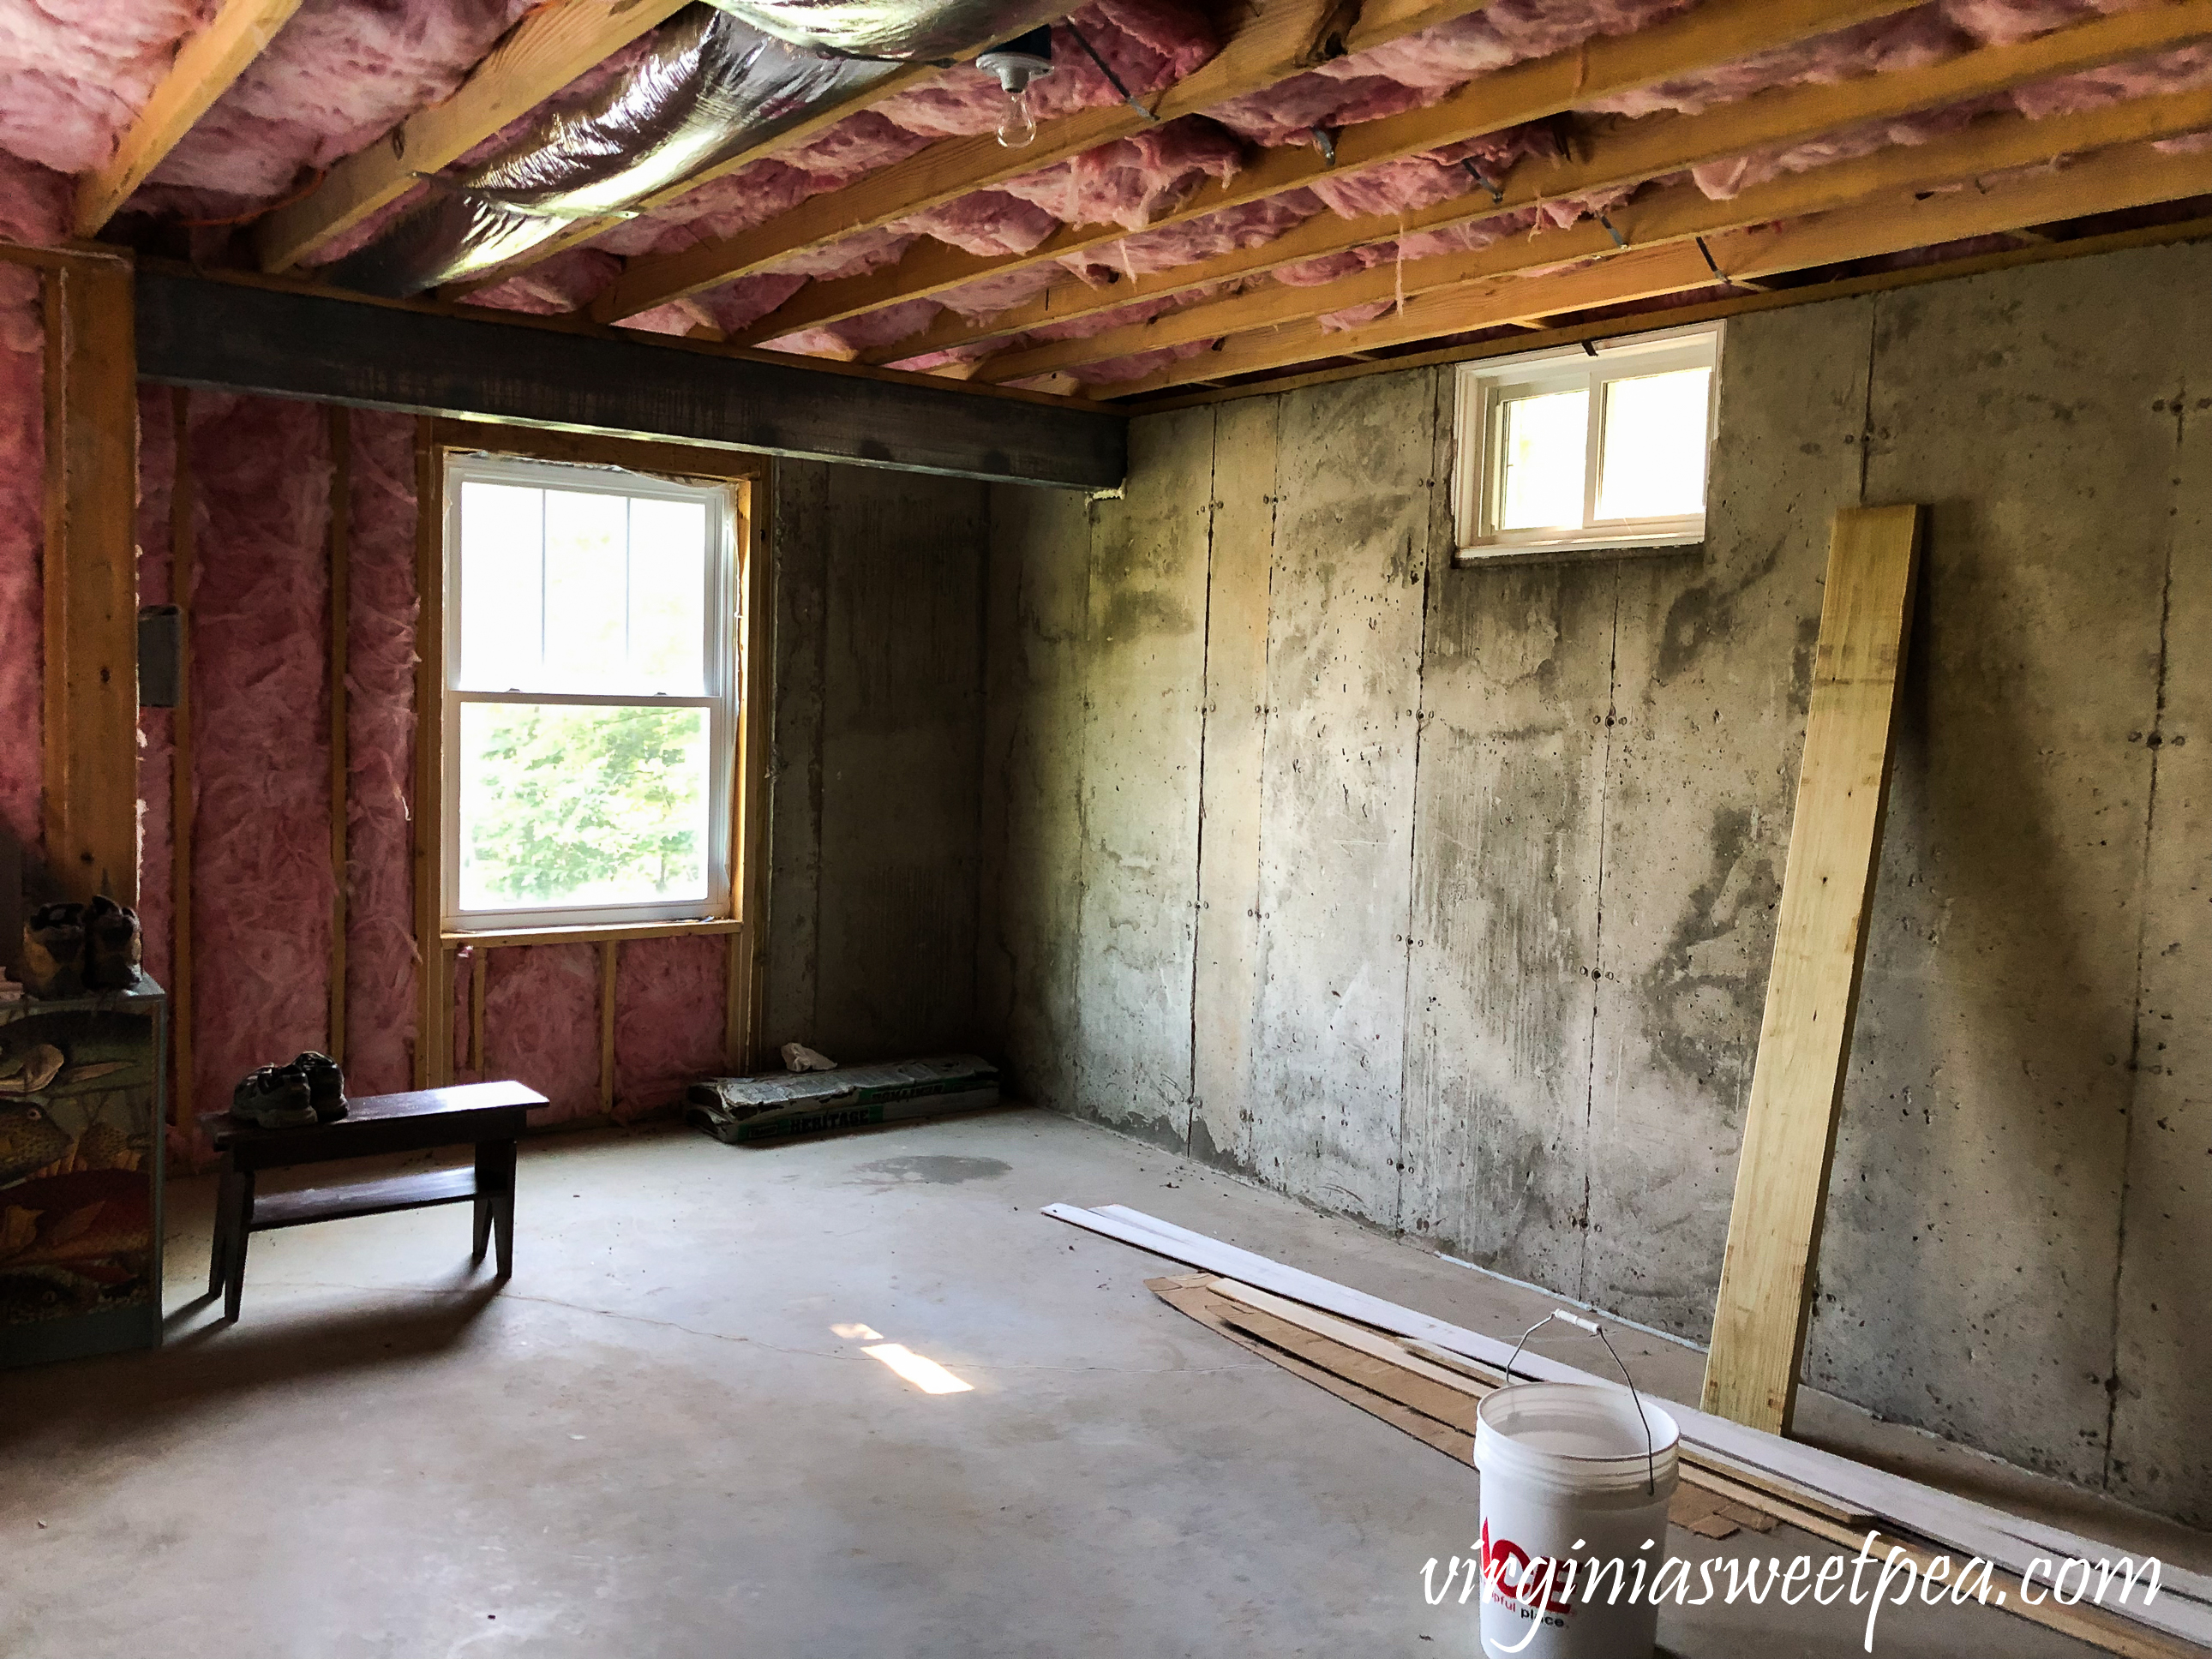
(489, 1117)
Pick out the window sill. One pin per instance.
(1477, 558)
(491, 938)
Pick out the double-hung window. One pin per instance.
(591, 703)
(1584, 450)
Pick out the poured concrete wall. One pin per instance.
(1443, 897)
(875, 763)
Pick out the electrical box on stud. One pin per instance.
(1016, 63)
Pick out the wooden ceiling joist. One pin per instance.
(2127, 176)
(1676, 213)
(1716, 32)
(204, 67)
(551, 47)
(1609, 154)
(1279, 39)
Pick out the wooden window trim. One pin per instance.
(437, 437)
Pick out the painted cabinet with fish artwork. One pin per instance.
(81, 1144)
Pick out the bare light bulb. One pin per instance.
(1017, 126)
(1014, 63)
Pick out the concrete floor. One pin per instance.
(654, 1441)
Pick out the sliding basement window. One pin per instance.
(591, 706)
(1586, 450)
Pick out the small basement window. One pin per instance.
(1580, 450)
(591, 697)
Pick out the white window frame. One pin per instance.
(721, 697)
(1478, 476)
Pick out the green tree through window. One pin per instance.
(582, 801)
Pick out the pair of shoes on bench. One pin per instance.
(307, 1090)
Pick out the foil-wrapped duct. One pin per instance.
(882, 29)
(714, 83)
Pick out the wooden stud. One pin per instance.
(429, 821)
(609, 951)
(341, 436)
(1812, 994)
(91, 577)
(183, 567)
(552, 47)
(480, 956)
(449, 1020)
(733, 1004)
(205, 66)
(749, 890)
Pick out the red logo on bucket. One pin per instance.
(1507, 1568)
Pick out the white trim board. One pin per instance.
(2183, 1608)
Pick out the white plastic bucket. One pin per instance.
(1569, 1477)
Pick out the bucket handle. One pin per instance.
(1650, 1446)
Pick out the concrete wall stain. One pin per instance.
(1520, 834)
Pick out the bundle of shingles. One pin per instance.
(1427, 1377)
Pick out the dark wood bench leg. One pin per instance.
(240, 1213)
(218, 1250)
(500, 1154)
(486, 1178)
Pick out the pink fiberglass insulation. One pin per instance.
(381, 614)
(1249, 225)
(1336, 322)
(988, 295)
(157, 468)
(2183, 70)
(1131, 182)
(337, 77)
(1149, 43)
(566, 282)
(541, 1025)
(846, 340)
(73, 76)
(669, 1008)
(2187, 68)
(32, 210)
(262, 883)
(1138, 364)
(1421, 69)
(745, 301)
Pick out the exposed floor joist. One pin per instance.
(2125, 177)
(1608, 155)
(1281, 38)
(202, 70)
(551, 47)
(1716, 32)
(1675, 214)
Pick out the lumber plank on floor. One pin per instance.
(1704, 1501)
(1812, 992)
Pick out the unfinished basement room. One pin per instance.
(1199, 829)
